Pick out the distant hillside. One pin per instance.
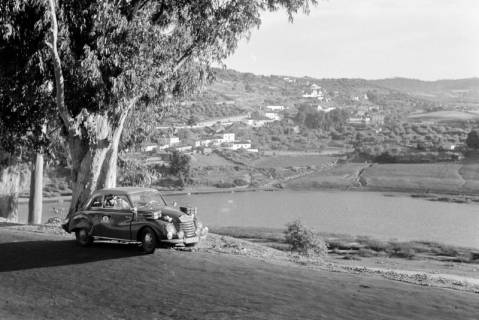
(236, 92)
(461, 91)
(252, 91)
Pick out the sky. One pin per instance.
(371, 39)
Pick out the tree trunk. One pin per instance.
(11, 179)
(36, 191)
(94, 165)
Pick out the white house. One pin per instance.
(203, 142)
(172, 140)
(150, 147)
(183, 148)
(228, 137)
(272, 115)
(275, 108)
(325, 109)
(240, 145)
(314, 92)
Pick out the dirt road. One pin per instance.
(43, 276)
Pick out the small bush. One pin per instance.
(303, 240)
(240, 182)
(402, 250)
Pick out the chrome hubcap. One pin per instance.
(148, 238)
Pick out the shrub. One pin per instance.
(402, 250)
(304, 240)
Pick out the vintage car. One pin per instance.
(138, 215)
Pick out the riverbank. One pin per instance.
(449, 182)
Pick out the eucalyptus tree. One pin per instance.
(26, 101)
(112, 58)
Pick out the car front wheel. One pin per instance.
(148, 241)
(82, 237)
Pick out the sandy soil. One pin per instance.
(46, 276)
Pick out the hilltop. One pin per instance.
(460, 91)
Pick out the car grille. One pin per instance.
(188, 228)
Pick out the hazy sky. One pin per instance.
(423, 39)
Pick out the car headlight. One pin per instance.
(170, 228)
(181, 234)
(199, 225)
(157, 215)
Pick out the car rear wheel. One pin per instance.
(148, 240)
(82, 237)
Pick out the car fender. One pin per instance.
(158, 226)
(81, 221)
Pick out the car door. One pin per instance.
(116, 217)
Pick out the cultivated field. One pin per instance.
(447, 178)
(300, 160)
(445, 116)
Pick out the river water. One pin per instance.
(357, 213)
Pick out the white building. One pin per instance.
(172, 140)
(314, 92)
(228, 137)
(275, 108)
(183, 148)
(256, 123)
(215, 140)
(240, 145)
(272, 115)
(325, 109)
(150, 147)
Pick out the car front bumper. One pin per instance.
(182, 241)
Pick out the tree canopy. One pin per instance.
(26, 95)
(114, 57)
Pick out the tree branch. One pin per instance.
(182, 60)
(57, 66)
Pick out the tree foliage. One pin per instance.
(112, 58)
(180, 166)
(26, 99)
(472, 140)
(313, 119)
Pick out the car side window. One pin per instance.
(96, 203)
(116, 202)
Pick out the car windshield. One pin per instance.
(147, 199)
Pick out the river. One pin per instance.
(357, 213)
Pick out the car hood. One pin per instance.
(165, 210)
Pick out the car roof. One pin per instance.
(122, 190)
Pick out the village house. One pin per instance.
(272, 115)
(240, 145)
(150, 147)
(314, 92)
(275, 108)
(172, 140)
(215, 140)
(325, 109)
(183, 148)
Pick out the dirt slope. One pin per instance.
(45, 276)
